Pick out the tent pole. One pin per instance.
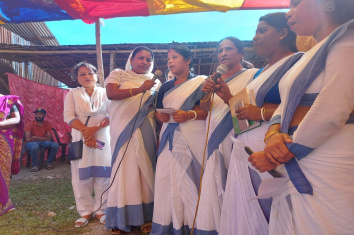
(99, 54)
(112, 61)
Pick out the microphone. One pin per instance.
(157, 74)
(220, 70)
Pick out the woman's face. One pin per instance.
(267, 40)
(176, 63)
(141, 62)
(86, 78)
(228, 54)
(306, 17)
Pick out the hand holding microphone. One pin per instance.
(148, 84)
(209, 85)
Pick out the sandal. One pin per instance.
(102, 218)
(116, 231)
(146, 228)
(83, 221)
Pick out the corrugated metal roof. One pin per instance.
(37, 33)
(58, 60)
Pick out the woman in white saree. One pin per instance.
(311, 132)
(230, 52)
(91, 173)
(130, 109)
(181, 146)
(274, 41)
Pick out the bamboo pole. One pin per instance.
(112, 61)
(99, 54)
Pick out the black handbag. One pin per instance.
(75, 148)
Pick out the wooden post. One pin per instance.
(112, 61)
(99, 54)
(3, 83)
(26, 70)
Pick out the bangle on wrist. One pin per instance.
(195, 114)
(263, 114)
(269, 134)
(131, 91)
(187, 115)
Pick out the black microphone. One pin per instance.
(157, 74)
(220, 70)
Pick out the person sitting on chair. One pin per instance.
(39, 135)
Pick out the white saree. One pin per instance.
(240, 215)
(322, 143)
(179, 163)
(130, 198)
(214, 178)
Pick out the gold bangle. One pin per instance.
(203, 101)
(269, 134)
(187, 115)
(131, 91)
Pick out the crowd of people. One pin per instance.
(194, 176)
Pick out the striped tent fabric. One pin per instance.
(18, 11)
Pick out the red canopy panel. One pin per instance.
(91, 10)
(265, 4)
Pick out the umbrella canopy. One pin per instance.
(18, 11)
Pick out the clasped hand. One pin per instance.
(261, 162)
(276, 150)
(275, 153)
(91, 143)
(88, 135)
(89, 132)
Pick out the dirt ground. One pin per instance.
(62, 170)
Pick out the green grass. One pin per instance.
(33, 200)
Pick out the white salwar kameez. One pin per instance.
(130, 198)
(322, 144)
(92, 172)
(178, 170)
(240, 216)
(214, 178)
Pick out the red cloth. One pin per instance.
(38, 130)
(33, 95)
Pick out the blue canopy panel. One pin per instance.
(20, 11)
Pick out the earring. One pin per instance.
(281, 38)
(330, 6)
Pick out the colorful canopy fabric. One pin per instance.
(21, 11)
(17, 11)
